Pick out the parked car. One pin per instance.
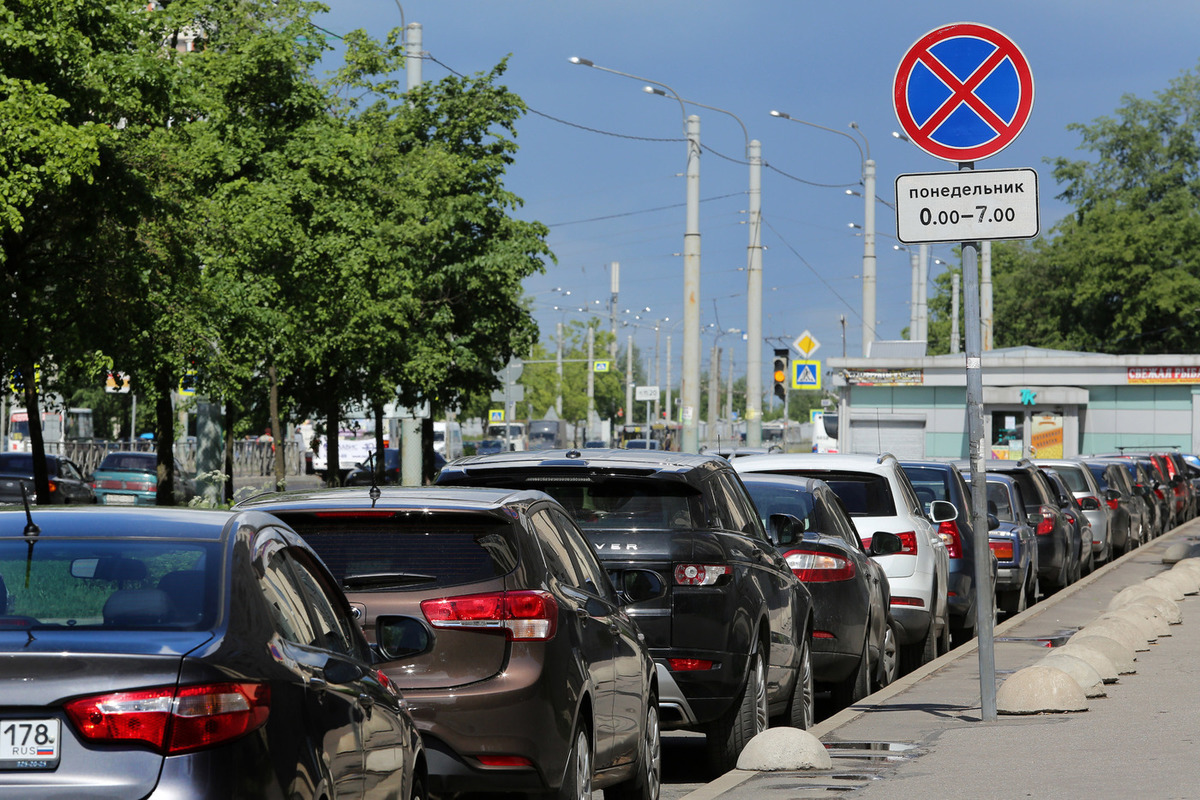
(1081, 526)
(1177, 476)
(499, 625)
(488, 446)
(364, 474)
(183, 653)
(130, 478)
(1058, 548)
(68, 484)
(1167, 498)
(855, 648)
(641, 444)
(728, 623)
(880, 497)
(1082, 484)
(941, 480)
(1128, 504)
(1192, 473)
(1014, 543)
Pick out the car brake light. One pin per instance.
(897, 600)
(908, 543)
(1047, 523)
(504, 762)
(173, 721)
(1003, 550)
(109, 484)
(699, 574)
(949, 533)
(823, 635)
(522, 616)
(814, 567)
(689, 664)
(141, 486)
(1159, 493)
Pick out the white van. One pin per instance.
(447, 440)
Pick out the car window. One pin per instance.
(420, 551)
(999, 503)
(738, 512)
(864, 494)
(1073, 478)
(1030, 491)
(285, 599)
(69, 470)
(620, 503)
(555, 550)
(928, 484)
(334, 629)
(594, 578)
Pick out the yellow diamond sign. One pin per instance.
(806, 343)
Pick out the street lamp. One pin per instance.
(868, 179)
(754, 339)
(689, 386)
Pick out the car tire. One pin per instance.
(726, 738)
(418, 789)
(801, 711)
(646, 783)
(857, 684)
(916, 654)
(943, 640)
(889, 656)
(577, 779)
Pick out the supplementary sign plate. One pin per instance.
(967, 206)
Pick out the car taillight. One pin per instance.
(908, 543)
(109, 484)
(173, 720)
(1047, 522)
(1003, 550)
(814, 567)
(689, 664)
(949, 533)
(522, 616)
(898, 600)
(141, 486)
(504, 762)
(699, 574)
(1159, 493)
(1114, 503)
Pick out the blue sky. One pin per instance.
(590, 168)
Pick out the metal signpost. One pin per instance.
(963, 92)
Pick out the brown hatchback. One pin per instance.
(498, 624)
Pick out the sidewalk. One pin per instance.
(923, 737)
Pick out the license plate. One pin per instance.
(29, 743)
(119, 499)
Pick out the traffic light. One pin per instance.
(779, 373)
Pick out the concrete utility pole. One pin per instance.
(913, 333)
(410, 429)
(558, 369)
(923, 294)
(714, 391)
(669, 417)
(985, 295)
(591, 373)
(754, 340)
(868, 253)
(954, 312)
(612, 307)
(629, 380)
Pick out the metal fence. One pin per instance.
(250, 458)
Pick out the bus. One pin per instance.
(58, 428)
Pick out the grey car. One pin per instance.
(1083, 485)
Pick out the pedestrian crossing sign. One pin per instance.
(496, 415)
(806, 374)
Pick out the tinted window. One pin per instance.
(285, 599)
(863, 493)
(418, 550)
(1073, 478)
(18, 463)
(998, 502)
(734, 509)
(335, 630)
(624, 504)
(1098, 472)
(595, 580)
(1029, 488)
(929, 485)
(555, 550)
(131, 462)
(123, 584)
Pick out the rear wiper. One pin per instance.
(383, 579)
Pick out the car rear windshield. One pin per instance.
(112, 584)
(16, 463)
(1072, 477)
(929, 484)
(614, 503)
(998, 502)
(391, 552)
(130, 462)
(864, 494)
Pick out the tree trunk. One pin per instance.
(164, 422)
(37, 443)
(333, 475)
(380, 459)
(277, 443)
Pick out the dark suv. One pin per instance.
(727, 621)
(492, 614)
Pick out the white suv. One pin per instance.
(880, 497)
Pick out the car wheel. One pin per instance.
(748, 718)
(889, 656)
(918, 653)
(577, 782)
(857, 684)
(943, 640)
(418, 789)
(800, 711)
(647, 782)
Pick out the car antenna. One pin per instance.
(31, 532)
(374, 491)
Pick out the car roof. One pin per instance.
(415, 498)
(646, 462)
(800, 481)
(104, 522)
(825, 461)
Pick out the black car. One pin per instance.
(1058, 561)
(495, 619)
(68, 484)
(730, 628)
(184, 653)
(1081, 526)
(939, 480)
(855, 644)
(1131, 515)
(364, 474)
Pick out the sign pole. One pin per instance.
(985, 618)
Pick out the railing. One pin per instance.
(250, 458)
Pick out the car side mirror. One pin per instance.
(338, 671)
(993, 522)
(1089, 503)
(942, 511)
(1112, 494)
(785, 529)
(885, 543)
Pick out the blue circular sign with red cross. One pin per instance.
(963, 92)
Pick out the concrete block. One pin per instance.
(777, 749)
(1176, 553)
(1138, 621)
(1080, 671)
(1184, 578)
(1040, 690)
(1168, 588)
(1158, 623)
(1140, 593)
(1121, 630)
(1121, 654)
(1103, 665)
